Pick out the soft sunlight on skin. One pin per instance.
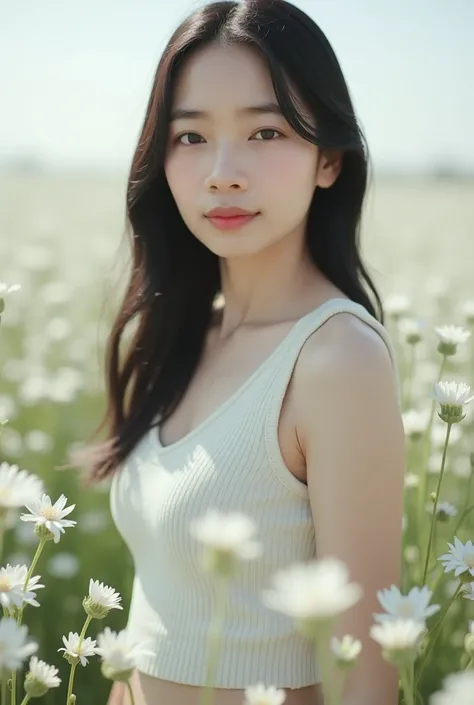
(232, 158)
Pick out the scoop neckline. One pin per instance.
(154, 432)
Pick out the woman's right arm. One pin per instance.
(119, 694)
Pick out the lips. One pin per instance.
(228, 212)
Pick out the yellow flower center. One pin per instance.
(4, 584)
(49, 513)
(406, 610)
(469, 560)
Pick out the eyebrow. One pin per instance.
(192, 114)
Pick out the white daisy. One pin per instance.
(227, 539)
(457, 688)
(259, 695)
(452, 335)
(12, 580)
(415, 423)
(396, 305)
(317, 590)
(460, 558)
(43, 513)
(452, 393)
(412, 606)
(14, 646)
(467, 309)
(6, 290)
(101, 600)
(468, 592)
(346, 649)
(412, 329)
(18, 487)
(40, 678)
(87, 648)
(444, 510)
(397, 634)
(119, 652)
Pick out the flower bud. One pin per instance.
(33, 687)
(72, 660)
(94, 609)
(451, 413)
(469, 644)
(113, 675)
(43, 533)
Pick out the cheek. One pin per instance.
(290, 176)
(181, 176)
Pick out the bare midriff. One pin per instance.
(148, 690)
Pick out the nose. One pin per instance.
(225, 174)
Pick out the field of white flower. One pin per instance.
(59, 242)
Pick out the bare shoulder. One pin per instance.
(343, 337)
(344, 357)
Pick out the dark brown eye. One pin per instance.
(190, 134)
(267, 132)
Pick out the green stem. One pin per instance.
(467, 511)
(468, 664)
(435, 633)
(331, 693)
(438, 489)
(409, 379)
(4, 691)
(406, 675)
(425, 458)
(213, 641)
(25, 699)
(39, 550)
(130, 692)
(74, 665)
(71, 682)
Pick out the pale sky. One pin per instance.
(76, 75)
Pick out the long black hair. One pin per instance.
(174, 279)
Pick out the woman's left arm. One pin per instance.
(351, 433)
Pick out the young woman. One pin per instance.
(260, 377)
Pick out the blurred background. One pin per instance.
(76, 78)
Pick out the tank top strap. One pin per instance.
(282, 369)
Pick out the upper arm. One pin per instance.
(351, 432)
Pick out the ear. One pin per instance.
(329, 167)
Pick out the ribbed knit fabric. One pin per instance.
(232, 462)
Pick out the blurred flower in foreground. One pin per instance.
(313, 593)
(73, 653)
(40, 678)
(458, 689)
(119, 653)
(400, 640)
(49, 519)
(101, 600)
(14, 647)
(346, 650)
(259, 695)
(412, 606)
(17, 487)
(227, 539)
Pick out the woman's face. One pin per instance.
(230, 156)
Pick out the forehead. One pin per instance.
(216, 75)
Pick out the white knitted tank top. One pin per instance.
(232, 462)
